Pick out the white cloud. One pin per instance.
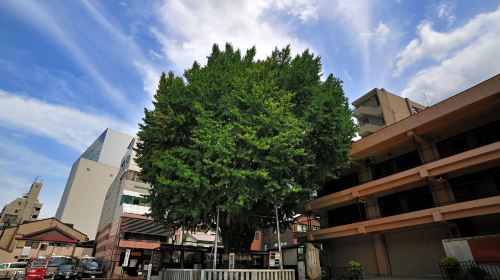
(445, 11)
(382, 32)
(303, 9)
(67, 126)
(470, 65)
(438, 46)
(189, 28)
(38, 16)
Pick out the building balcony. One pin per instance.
(368, 128)
(367, 110)
(474, 157)
(483, 206)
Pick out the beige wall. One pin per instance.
(84, 202)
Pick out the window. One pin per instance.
(43, 247)
(134, 200)
(395, 165)
(20, 244)
(342, 183)
(17, 265)
(346, 215)
(257, 235)
(34, 216)
(19, 203)
(32, 244)
(37, 208)
(406, 201)
(16, 211)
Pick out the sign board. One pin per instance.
(231, 260)
(26, 251)
(150, 267)
(274, 259)
(313, 267)
(127, 257)
(155, 262)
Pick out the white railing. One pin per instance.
(247, 274)
(180, 274)
(227, 274)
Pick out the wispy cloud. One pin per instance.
(189, 28)
(465, 56)
(40, 17)
(67, 126)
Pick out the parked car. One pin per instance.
(90, 268)
(65, 271)
(56, 261)
(37, 268)
(9, 270)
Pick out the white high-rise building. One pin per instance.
(90, 177)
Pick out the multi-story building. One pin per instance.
(89, 179)
(379, 108)
(41, 238)
(123, 224)
(428, 177)
(25, 208)
(266, 239)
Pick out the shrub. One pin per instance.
(356, 270)
(451, 268)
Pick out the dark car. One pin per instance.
(65, 271)
(90, 268)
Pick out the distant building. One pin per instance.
(88, 182)
(379, 108)
(41, 238)
(25, 208)
(427, 178)
(267, 239)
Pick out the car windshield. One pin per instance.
(57, 261)
(38, 264)
(93, 265)
(3, 265)
(65, 267)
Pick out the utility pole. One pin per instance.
(279, 237)
(216, 239)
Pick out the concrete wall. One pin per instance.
(85, 194)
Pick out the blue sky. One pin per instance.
(70, 69)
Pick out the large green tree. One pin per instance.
(242, 135)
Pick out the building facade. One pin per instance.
(89, 179)
(25, 208)
(429, 177)
(379, 108)
(41, 238)
(123, 224)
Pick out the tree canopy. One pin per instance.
(242, 135)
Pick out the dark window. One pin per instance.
(476, 185)
(406, 201)
(342, 183)
(395, 165)
(469, 140)
(128, 199)
(346, 215)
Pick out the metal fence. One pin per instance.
(227, 274)
(347, 273)
(471, 270)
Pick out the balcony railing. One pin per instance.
(416, 199)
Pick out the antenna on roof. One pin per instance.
(426, 99)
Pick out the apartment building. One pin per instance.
(25, 208)
(123, 224)
(431, 176)
(89, 179)
(379, 108)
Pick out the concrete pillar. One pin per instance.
(380, 248)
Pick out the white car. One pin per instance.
(9, 270)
